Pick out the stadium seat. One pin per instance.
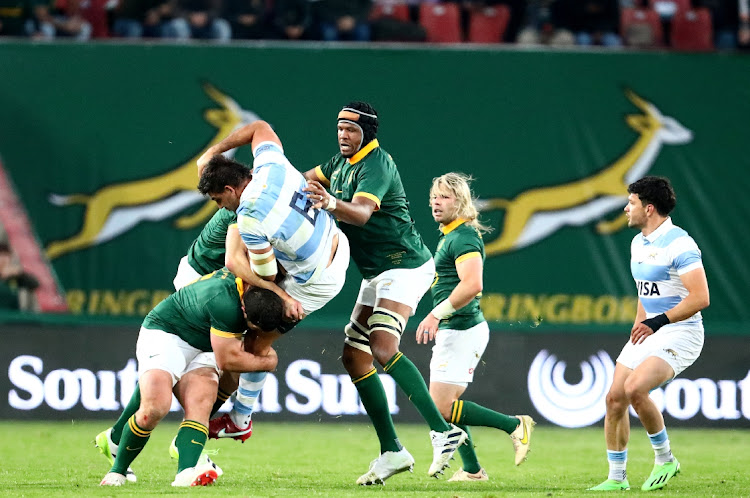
(441, 21)
(641, 28)
(488, 25)
(692, 30)
(399, 11)
(668, 8)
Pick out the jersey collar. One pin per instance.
(364, 151)
(666, 226)
(452, 225)
(240, 287)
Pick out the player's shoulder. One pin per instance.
(674, 237)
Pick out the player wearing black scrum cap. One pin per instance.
(362, 188)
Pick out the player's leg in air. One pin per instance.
(455, 356)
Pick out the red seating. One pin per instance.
(641, 19)
(692, 30)
(441, 21)
(398, 11)
(488, 25)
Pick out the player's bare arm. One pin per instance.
(471, 283)
(253, 134)
(697, 299)
(237, 260)
(231, 355)
(357, 212)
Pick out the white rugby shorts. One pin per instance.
(677, 344)
(403, 285)
(186, 274)
(159, 350)
(316, 292)
(456, 354)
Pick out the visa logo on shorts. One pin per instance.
(537, 213)
(647, 289)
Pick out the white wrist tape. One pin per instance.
(264, 265)
(443, 310)
(331, 203)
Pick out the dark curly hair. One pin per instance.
(221, 171)
(655, 190)
(263, 308)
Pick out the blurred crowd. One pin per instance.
(708, 24)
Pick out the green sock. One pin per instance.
(191, 438)
(411, 382)
(221, 397)
(468, 413)
(131, 443)
(373, 398)
(129, 411)
(468, 455)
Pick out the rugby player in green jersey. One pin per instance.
(457, 325)
(365, 193)
(218, 243)
(183, 344)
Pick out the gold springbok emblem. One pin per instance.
(537, 213)
(114, 209)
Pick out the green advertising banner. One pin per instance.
(100, 143)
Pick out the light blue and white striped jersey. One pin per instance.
(274, 210)
(657, 261)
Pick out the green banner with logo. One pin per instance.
(100, 142)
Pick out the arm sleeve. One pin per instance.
(685, 255)
(222, 317)
(251, 231)
(466, 248)
(324, 172)
(373, 182)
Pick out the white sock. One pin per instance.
(241, 420)
(660, 444)
(251, 384)
(618, 461)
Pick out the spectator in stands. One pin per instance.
(65, 20)
(594, 22)
(19, 17)
(247, 18)
(544, 23)
(388, 23)
(725, 20)
(200, 19)
(15, 284)
(343, 19)
(293, 19)
(743, 34)
(144, 18)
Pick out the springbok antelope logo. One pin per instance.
(539, 212)
(114, 209)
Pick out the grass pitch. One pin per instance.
(295, 459)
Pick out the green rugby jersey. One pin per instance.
(210, 305)
(458, 242)
(206, 253)
(389, 239)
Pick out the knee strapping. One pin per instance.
(387, 321)
(357, 336)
